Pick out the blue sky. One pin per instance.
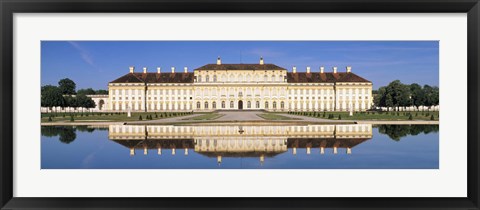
(95, 63)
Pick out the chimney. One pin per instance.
(173, 69)
(185, 69)
(308, 69)
(261, 60)
(131, 69)
(349, 69)
(294, 69)
(334, 69)
(219, 61)
(158, 70)
(322, 69)
(144, 70)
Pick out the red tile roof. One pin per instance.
(240, 67)
(328, 77)
(155, 78)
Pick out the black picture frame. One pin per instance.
(10, 7)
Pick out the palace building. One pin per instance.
(258, 86)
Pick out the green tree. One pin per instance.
(101, 92)
(88, 91)
(417, 95)
(52, 97)
(67, 86)
(85, 101)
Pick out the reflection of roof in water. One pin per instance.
(153, 144)
(327, 143)
(291, 142)
(240, 154)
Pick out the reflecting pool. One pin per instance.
(347, 146)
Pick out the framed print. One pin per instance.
(239, 105)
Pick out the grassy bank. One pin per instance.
(431, 116)
(109, 117)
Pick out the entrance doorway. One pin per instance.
(240, 104)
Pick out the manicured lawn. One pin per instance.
(270, 116)
(109, 117)
(209, 116)
(371, 115)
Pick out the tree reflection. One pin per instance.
(396, 132)
(67, 134)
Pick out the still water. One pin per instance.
(358, 146)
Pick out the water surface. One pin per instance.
(359, 146)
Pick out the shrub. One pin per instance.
(140, 118)
(71, 118)
(410, 117)
(49, 118)
(432, 118)
(339, 117)
(156, 116)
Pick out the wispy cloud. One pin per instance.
(84, 54)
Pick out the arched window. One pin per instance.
(231, 104)
(282, 105)
(257, 104)
(214, 78)
(206, 105)
(198, 105)
(266, 104)
(274, 104)
(249, 104)
(207, 79)
(214, 105)
(199, 78)
(223, 104)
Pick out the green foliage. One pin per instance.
(339, 116)
(410, 117)
(397, 94)
(88, 91)
(52, 96)
(67, 86)
(140, 117)
(71, 118)
(432, 118)
(49, 118)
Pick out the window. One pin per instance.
(231, 104)
(265, 78)
(282, 105)
(266, 104)
(207, 79)
(249, 104)
(257, 104)
(206, 105)
(274, 104)
(240, 94)
(214, 78)
(198, 105)
(214, 105)
(273, 78)
(223, 104)
(199, 78)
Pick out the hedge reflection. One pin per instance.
(396, 132)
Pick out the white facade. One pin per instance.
(216, 87)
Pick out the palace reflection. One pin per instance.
(239, 141)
